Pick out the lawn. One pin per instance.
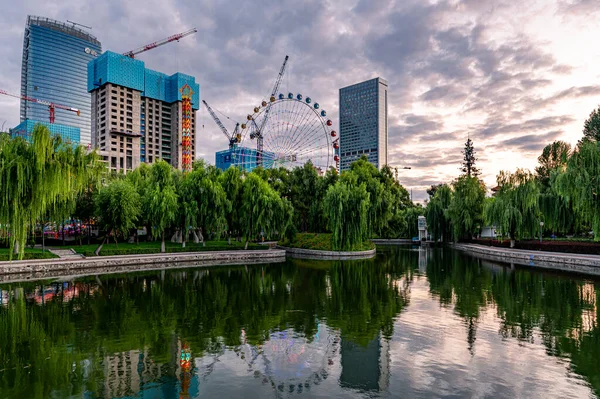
(29, 254)
(320, 242)
(154, 247)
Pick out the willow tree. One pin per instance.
(210, 198)
(515, 207)
(263, 210)
(231, 181)
(37, 178)
(160, 200)
(438, 220)
(580, 183)
(381, 199)
(346, 207)
(466, 208)
(118, 209)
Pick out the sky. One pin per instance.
(511, 75)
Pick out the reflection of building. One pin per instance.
(137, 112)
(364, 123)
(365, 368)
(54, 66)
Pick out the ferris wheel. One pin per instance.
(287, 131)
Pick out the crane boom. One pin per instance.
(234, 137)
(216, 119)
(280, 76)
(51, 106)
(158, 43)
(259, 136)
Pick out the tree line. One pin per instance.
(45, 179)
(562, 193)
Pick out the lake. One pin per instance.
(410, 323)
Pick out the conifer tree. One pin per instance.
(468, 166)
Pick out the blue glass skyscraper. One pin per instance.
(364, 123)
(54, 68)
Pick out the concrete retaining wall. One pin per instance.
(586, 264)
(315, 254)
(124, 263)
(395, 241)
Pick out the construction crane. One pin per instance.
(234, 137)
(51, 105)
(158, 43)
(258, 134)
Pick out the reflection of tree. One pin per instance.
(143, 317)
(364, 300)
(561, 310)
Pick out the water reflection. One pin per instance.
(405, 323)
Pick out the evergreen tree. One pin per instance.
(469, 159)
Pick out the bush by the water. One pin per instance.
(321, 242)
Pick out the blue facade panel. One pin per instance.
(242, 157)
(68, 133)
(124, 71)
(117, 69)
(54, 69)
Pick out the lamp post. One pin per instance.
(541, 226)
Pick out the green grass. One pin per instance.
(29, 254)
(154, 247)
(321, 242)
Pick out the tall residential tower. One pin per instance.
(138, 114)
(54, 69)
(364, 123)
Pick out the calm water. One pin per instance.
(410, 323)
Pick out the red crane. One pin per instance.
(169, 39)
(51, 105)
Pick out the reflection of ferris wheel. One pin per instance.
(287, 360)
(287, 132)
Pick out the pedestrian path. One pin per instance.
(66, 253)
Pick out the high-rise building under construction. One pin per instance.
(139, 115)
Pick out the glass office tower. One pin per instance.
(54, 69)
(364, 123)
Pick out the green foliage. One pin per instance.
(30, 253)
(154, 247)
(346, 206)
(554, 158)
(321, 242)
(466, 207)
(580, 184)
(439, 224)
(40, 179)
(381, 201)
(411, 218)
(515, 208)
(591, 127)
(263, 211)
(118, 207)
(160, 200)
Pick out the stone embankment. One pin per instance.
(587, 264)
(327, 255)
(45, 268)
(395, 241)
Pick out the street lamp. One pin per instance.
(541, 226)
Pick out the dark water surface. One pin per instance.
(410, 323)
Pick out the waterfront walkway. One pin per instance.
(589, 264)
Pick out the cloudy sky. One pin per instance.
(514, 75)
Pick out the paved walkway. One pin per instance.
(589, 264)
(65, 253)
